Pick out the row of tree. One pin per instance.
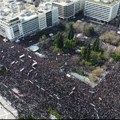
(65, 43)
(92, 53)
(86, 51)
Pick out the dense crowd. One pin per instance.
(41, 86)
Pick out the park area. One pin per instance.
(37, 79)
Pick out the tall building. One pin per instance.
(67, 8)
(82, 4)
(102, 10)
(24, 19)
(119, 10)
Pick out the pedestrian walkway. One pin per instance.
(6, 110)
(84, 79)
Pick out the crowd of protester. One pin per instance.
(41, 86)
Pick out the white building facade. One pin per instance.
(30, 1)
(102, 10)
(15, 25)
(68, 8)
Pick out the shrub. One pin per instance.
(95, 73)
(116, 57)
(117, 50)
(98, 71)
(55, 113)
(83, 51)
(96, 56)
(89, 63)
(44, 37)
(69, 44)
(92, 77)
(89, 30)
(110, 37)
(55, 49)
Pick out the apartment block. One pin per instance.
(67, 9)
(102, 10)
(25, 19)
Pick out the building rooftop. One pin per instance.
(104, 2)
(63, 3)
(21, 11)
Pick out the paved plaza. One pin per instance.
(6, 110)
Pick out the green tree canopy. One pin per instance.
(59, 41)
(71, 32)
(83, 52)
(96, 56)
(88, 52)
(88, 31)
(55, 113)
(96, 45)
(69, 44)
(116, 57)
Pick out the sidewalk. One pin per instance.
(6, 110)
(84, 79)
